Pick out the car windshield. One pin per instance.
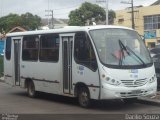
(120, 47)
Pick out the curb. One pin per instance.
(149, 101)
(2, 79)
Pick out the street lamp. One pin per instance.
(105, 1)
(132, 12)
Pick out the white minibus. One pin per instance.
(90, 63)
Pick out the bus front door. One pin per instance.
(67, 63)
(17, 44)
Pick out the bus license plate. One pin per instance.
(136, 91)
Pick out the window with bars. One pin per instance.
(30, 48)
(49, 48)
(152, 22)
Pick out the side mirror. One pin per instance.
(143, 38)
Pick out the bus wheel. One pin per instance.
(84, 97)
(129, 100)
(31, 89)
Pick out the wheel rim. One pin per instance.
(84, 98)
(31, 89)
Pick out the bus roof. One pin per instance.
(66, 29)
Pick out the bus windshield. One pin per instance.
(120, 47)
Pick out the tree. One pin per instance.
(8, 22)
(87, 13)
(27, 21)
(30, 22)
(111, 16)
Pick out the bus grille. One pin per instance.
(134, 83)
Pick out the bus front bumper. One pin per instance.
(115, 92)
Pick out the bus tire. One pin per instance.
(84, 97)
(31, 89)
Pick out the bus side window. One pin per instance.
(49, 48)
(30, 48)
(8, 48)
(26, 55)
(83, 51)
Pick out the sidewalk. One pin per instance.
(151, 100)
(1, 79)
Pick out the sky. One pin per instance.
(61, 8)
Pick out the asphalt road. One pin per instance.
(15, 100)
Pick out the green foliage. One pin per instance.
(10, 21)
(87, 13)
(75, 18)
(30, 22)
(27, 21)
(111, 16)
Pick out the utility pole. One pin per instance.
(133, 25)
(132, 11)
(51, 15)
(106, 8)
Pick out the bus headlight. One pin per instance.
(112, 81)
(151, 80)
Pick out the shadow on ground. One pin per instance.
(110, 105)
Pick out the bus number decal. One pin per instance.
(80, 69)
(134, 71)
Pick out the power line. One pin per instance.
(62, 13)
(68, 7)
(50, 15)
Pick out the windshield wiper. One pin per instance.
(136, 55)
(122, 48)
(126, 48)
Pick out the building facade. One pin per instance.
(147, 22)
